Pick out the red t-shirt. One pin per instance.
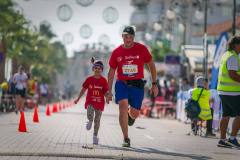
(129, 62)
(97, 87)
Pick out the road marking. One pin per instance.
(149, 137)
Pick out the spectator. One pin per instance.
(5, 87)
(44, 92)
(202, 93)
(184, 85)
(20, 80)
(12, 89)
(166, 91)
(153, 98)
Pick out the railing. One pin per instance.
(160, 109)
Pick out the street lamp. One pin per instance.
(148, 36)
(157, 26)
(199, 14)
(170, 14)
(64, 12)
(169, 36)
(181, 27)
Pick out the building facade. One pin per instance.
(177, 21)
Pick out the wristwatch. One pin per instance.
(154, 83)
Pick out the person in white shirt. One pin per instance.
(20, 81)
(44, 92)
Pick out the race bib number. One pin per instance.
(130, 70)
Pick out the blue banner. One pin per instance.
(221, 47)
(1, 57)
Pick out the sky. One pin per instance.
(38, 11)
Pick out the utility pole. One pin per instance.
(205, 45)
(234, 18)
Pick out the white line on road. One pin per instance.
(149, 137)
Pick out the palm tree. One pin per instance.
(12, 24)
(33, 49)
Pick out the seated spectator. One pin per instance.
(5, 87)
(203, 94)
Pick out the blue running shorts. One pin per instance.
(133, 94)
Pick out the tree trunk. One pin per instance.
(2, 61)
(14, 65)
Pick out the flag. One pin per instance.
(221, 47)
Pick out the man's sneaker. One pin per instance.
(89, 125)
(95, 140)
(234, 143)
(130, 120)
(224, 143)
(126, 142)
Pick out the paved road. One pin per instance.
(62, 135)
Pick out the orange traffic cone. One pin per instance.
(22, 124)
(60, 107)
(55, 108)
(35, 115)
(48, 111)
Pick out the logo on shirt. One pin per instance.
(119, 59)
(98, 87)
(90, 86)
(132, 57)
(130, 62)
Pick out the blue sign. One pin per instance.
(221, 47)
(172, 59)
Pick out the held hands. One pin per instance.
(108, 96)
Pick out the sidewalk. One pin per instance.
(63, 135)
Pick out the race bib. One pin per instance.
(130, 70)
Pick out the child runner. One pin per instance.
(97, 87)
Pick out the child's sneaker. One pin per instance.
(89, 125)
(126, 142)
(95, 140)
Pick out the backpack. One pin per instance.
(192, 108)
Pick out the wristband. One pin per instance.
(154, 83)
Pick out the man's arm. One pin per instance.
(233, 74)
(152, 69)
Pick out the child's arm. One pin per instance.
(107, 97)
(80, 95)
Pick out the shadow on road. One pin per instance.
(156, 151)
